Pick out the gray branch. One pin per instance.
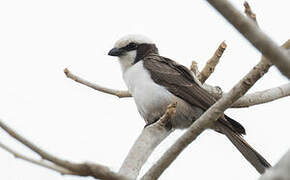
(262, 97)
(278, 56)
(37, 162)
(82, 169)
(149, 139)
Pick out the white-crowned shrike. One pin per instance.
(156, 81)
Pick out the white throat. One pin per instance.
(127, 60)
(150, 98)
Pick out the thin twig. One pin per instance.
(118, 93)
(277, 55)
(81, 169)
(149, 139)
(211, 63)
(42, 163)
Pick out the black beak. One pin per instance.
(116, 52)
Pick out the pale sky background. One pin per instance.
(38, 39)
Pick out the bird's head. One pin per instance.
(132, 48)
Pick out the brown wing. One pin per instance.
(178, 80)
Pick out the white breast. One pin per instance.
(151, 99)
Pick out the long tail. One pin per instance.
(248, 152)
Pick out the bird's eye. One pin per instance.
(130, 47)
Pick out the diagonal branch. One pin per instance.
(42, 163)
(207, 118)
(266, 95)
(117, 93)
(149, 139)
(81, 169)
(210, 115)
(278, 56)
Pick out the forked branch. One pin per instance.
(42, 163)
(207, 118)
(248, 100)
(277, 55)
(62, 166)
(151, 136)
(149, 139)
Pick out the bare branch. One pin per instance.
(248, 100)
(207, 118)
(118, 93)
(266, 95)
(253, 34)
(256, 98)
(211, 63)
(81, 169)
(42, 163)
(262, 97)
(149, 139)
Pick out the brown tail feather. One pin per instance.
(247, 151)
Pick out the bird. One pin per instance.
(155, 82)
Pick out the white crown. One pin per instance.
(136, 38)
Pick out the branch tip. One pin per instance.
(194, 68)
(97, 87)
(66, 72)
(223, 45)
(212, 63)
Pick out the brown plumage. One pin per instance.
(178, 80)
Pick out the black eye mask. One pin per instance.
(130, 47)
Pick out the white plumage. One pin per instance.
(151, 99)
(148, 95)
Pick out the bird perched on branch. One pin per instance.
(156, 81)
